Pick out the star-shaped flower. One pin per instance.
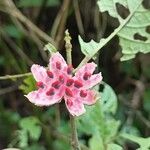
(57, 83)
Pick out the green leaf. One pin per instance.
(31, 125)
(88, 48)
(130, 130)
(144, 143)
(108, 99)
(96, 143)
(101, 122)
(28, 84)
(133, 36)
(113, 146)
(12, 31)
(61, 145)
(23, 138)
(111, 132)
(37, 3)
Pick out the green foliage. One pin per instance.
(8, 119)
(96, 142)
(132, 70)
(127, 35)
(114, 147)
(28, 85)
(98, 127)
(35, 147)
(131, 40)
(102, 133)
(130, 130)
(108, 99)
(29, 125)
(88, 49)
(63, 144)
(12, 31)
(37, 3)
(144, 143)
(23, 138)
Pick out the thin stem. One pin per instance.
(78, 17)
(68, 47)
(14, 11)
(8, 89)
(6, 77)
(16, 48)
(61, 28)
(74, 139)
(74, 142)
(58, 20)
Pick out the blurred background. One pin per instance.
(25, 27)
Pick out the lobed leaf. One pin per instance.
(133, 36)
(29, 128)
(133, 31)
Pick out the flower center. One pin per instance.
(56, 84)
(50, 92)
(50, 74)
(68, 92)
(86, 76)
(40, 84)
(78, 84)
(69, 82)
(58, 65)
(83, 93)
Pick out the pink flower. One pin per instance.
(57, 83)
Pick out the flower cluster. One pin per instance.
(57, 83)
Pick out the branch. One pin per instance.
(6, 77)
(14, 11)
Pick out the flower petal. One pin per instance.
(40, 98)
(74, 106)
(39, 73)
(89, 67)
(94, 79)
(90, 98)
(57, 62)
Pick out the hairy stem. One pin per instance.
(74, 136)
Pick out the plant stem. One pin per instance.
(14, 11)
(68, 47)
(74, 137)
(74, 142)
(15, 76)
